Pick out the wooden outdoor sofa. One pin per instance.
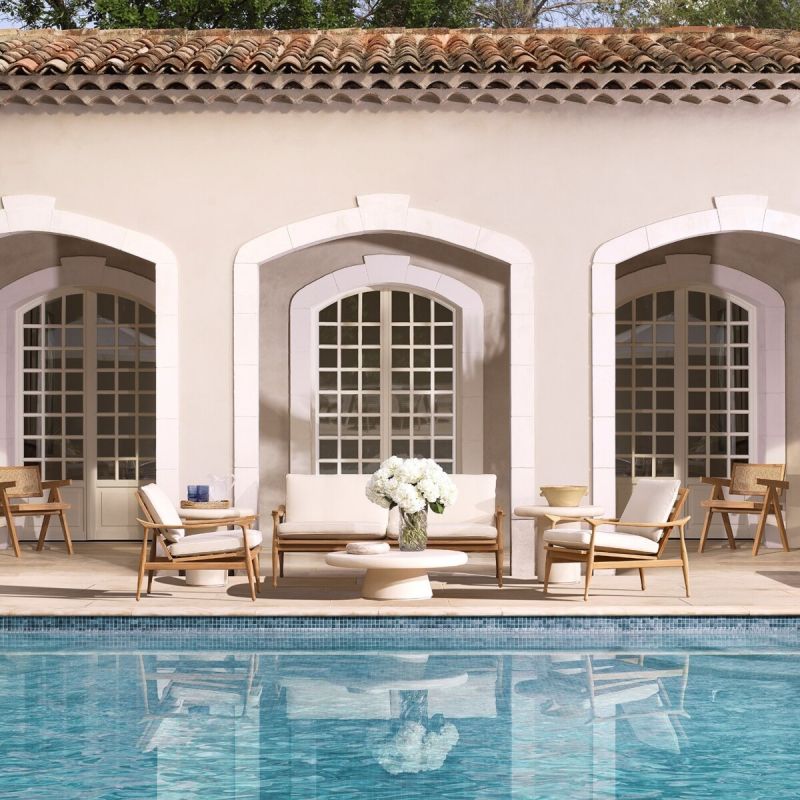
(323, 513)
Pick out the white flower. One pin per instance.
(412, 484)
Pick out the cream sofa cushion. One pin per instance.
(652, 500)
(331, 498)
(162, 511)
(475, 505)
(580, 537)
(199, 544)
(464, 530)
(332, 530)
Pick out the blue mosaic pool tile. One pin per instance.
(406, 633)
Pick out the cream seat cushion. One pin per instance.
(215, 513)
(162, 511)
(580, 538)
(332, 530)
(464, 530)
(652, 500)
(215, 542)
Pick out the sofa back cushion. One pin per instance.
(652, 500)
(162, 510)
(475, 504)
(331, 498)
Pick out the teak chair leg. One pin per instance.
(43, 533)
(140, 577)
(762, 523)
(258, 572)
(280, 556)
(684, 562)
(248, 560)
(776, 507)
(704, 532)
(498, 560)
(274, 565)
(641, 578)
(12, 535)
(65, 528)
(151, 572)
(547, 564)
(589, 573)
(726, 521)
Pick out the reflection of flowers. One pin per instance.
(419, 744)
(415, 749)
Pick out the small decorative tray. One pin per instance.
(208, 504)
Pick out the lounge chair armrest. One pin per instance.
(772, 482)
(279, 513)
(198, 525)
(673, 524)
(7, 484)
(597, 521)
(56, 484)
(716, 481)
(557, 519)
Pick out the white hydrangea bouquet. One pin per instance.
(413, 485)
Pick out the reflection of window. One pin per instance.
(386, 381)
(683, 381)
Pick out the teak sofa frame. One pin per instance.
(281, 546)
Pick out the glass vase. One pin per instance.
(413, 530)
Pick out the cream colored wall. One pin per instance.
(560, 179)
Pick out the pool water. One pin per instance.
(165, 717)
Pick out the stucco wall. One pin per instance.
(560, 179)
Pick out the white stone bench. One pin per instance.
(324, 512)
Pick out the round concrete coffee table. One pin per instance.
(398, 574)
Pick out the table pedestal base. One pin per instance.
(206, 577)
(396, 584)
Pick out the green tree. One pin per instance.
(755, 13)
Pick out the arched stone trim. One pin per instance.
(731, 213)
(32, 213)
(380, 213)
(382, 271)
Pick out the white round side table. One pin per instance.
(210, 577)
(559, 573)
(398, 574)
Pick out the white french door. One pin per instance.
(386, 381)
(685, 389)
(86, 408)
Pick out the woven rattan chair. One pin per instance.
(759, 489)
(19, 483)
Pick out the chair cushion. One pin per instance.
(215, 513)
(461, 531)
(580, 538)
(331, 498)
(475, 504)
(332, 530)
(652, 500)
(214, 542)
(162, 511)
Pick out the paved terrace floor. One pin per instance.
(100, 579)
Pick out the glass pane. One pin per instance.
(74, 309)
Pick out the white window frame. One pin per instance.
(379, 272)
(681, 389)
(386, 347)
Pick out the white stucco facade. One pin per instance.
(556, 196)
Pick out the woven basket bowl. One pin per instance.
(563, 495)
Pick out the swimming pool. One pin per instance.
(400, 708)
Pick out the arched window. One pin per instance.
(386, 380)
(87, 405)
(685, 384)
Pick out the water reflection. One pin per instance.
(473, 725)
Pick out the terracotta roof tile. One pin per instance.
(396, 51)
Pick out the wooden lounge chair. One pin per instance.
(204, 549)
(638, 540)
(18, 483)
(760, 489)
